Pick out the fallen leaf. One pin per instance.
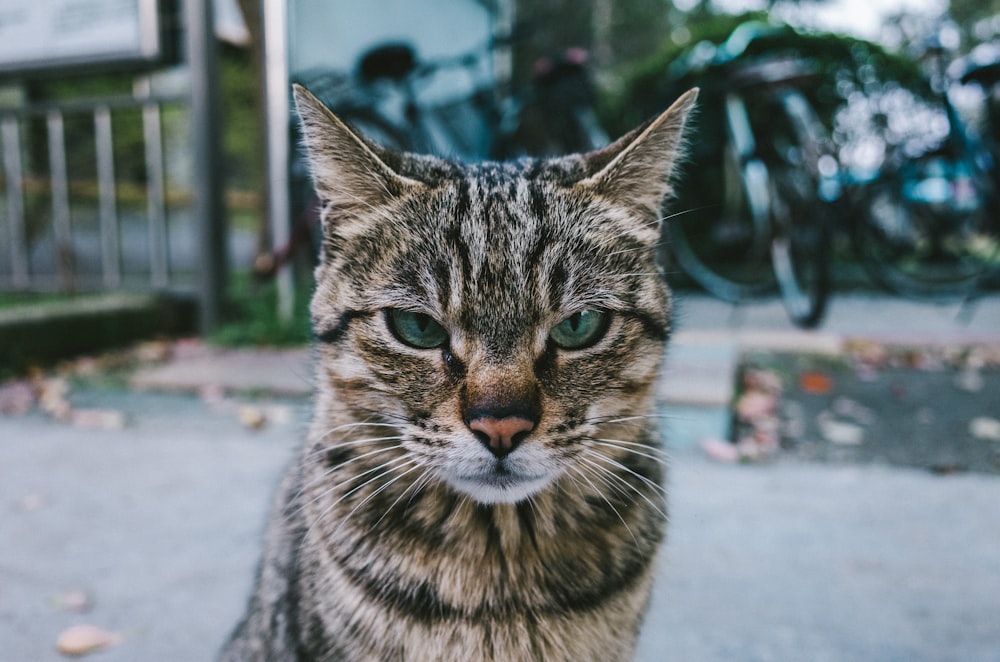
(767, 381)
(815, 383)
(720, 450)
(83, 639)
(16, 398)
(153, 351)
(754, 405)
(252, 417)
(839, 432)
(52, 397)
(854, 410)
(985, 428)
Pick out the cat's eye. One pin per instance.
(415, 329)
(580, 330)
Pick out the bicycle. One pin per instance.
(386, 101)
(926, 226)
(778, 175)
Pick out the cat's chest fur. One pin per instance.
(482, 479)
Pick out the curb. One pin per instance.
(41, 333)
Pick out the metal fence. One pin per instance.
(70, 247)
(43, 252)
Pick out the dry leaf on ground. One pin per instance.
(83, 639)
(985, 428)
(815, 383)
(16, 398)
(252, 417)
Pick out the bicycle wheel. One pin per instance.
(726, 250)
(800, 211)
(930, 231)
(800, 249)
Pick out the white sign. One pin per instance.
(49, 34)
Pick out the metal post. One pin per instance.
(107, 205)
(15, 201)
(210, 212)
(156, 206)
(61, 229)
(276, 86)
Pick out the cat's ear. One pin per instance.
(346, 169)
(637, 168)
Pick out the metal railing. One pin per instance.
(60, 272)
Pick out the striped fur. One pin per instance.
(397, 535)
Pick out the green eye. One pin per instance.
(415, 329)
(580, 330)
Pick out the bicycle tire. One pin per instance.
(928, 251)
(800, 214)
(800, 249)
(725, 253)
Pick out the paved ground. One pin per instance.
(158, 522)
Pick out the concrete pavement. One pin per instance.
(159, 522)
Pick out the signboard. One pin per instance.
(55, 34)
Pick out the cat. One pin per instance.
(482, 479)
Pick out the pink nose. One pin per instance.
(501, 435)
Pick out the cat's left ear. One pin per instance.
(637, 168)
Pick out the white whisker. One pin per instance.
(610, 505)
(385, 467)
(415, 465)
(409, 487)
(661, 458)
(601, 456)
(626, 483)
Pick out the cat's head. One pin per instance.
(502, 317)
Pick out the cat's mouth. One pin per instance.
(499, 483)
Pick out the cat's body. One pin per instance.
(482, 478)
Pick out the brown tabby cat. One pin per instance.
(482, 478)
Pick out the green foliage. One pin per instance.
(653, 83)
(252, 317)
(242, 130)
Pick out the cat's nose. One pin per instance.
(501, 435)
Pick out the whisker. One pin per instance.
(614, 443)
(402, 494)
(326, 474)
(618, 464)
(610, 505)
(600, 475)
(690, 210)
(321, 448)
(388, 469)
(387, 414)
(628, 484)
(576, 484)
(415, 465)
(607, 420)
(330, 470)
(358, 424)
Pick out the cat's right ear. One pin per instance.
(346, 169)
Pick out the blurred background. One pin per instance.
(149, 146)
